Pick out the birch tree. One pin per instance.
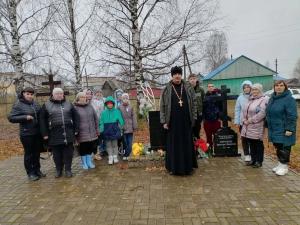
(216, 51)
(70, 39)
(21, 26)
(151, 33)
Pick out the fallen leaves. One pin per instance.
(10, 144)
(155, 168)
(123, 165)
(142, 135)
(294, 158)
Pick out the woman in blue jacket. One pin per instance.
(281, 119)
(240, 104)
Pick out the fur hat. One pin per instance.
(57, 90)
(175, 70)
(258, 87)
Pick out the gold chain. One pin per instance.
(180, 101)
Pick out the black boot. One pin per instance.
(33, 177)
(257, 165)
(251, 163)
(40, 174)
(58, 174)
(68, 174)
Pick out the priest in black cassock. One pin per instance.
(177, 114)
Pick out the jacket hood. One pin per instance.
(256, 97)
(81, 104)
(285, 93)
(22, 99)
(110, 99)
(246, 82)
(57, 101)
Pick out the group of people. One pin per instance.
(255, 112)
(184, 105)
(92, 122)
(95, 123)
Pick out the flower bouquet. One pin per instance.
(202, 147)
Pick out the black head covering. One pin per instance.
(27, 89)
(175, 70)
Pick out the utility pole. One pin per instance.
(186, 61)
(276, 65)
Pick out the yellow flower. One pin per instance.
(137, 149)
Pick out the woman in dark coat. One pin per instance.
(282, 120)
(59, 123)
(26, 113)
(88, 130)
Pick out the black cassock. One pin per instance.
(180, 154)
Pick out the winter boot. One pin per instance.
(33, 177)
(110, 160)
(276, 167)
(115, 158)
(89, 162)
(58, 174)
(84, 164)
(68, 174)
(282, 170)
(247, 158)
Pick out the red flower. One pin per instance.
(200, 143)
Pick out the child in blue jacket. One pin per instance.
(110, 124)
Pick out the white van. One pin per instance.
(295, 93)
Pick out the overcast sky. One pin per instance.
(264, 30)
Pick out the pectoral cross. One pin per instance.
(180, 103)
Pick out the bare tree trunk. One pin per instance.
(136, 41)
(74, 44)
(16, 54)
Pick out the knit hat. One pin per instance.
(125, 95)
(79, 94)
(28, 89)
(57, 90)
(258, 87)
(176, 70)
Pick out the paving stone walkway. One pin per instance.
(221, 191)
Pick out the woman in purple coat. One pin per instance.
(254, 114)
(88, 130)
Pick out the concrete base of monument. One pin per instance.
(225, 143)
(147, 159)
